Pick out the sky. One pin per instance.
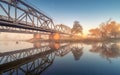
(90, 13)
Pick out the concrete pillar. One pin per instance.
(37, 45)
(51, 36)
(54, 36)
(37, 36)
(54, 45)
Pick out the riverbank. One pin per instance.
(87, 40)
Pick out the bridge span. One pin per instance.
(16, 16)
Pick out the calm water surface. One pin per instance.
(50, 58)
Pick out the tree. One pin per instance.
(110, 29)
(106, 30)
(77, 28)
(95, 32)
(114, 29)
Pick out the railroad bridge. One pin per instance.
(17, 16)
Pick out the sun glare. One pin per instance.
(56, 36)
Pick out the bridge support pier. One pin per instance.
(54, 45)
(37, 36)
(51, 36)
(54, 36)
(37, 44)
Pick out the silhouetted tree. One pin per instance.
(77, 28)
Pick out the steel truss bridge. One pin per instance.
(19, 17)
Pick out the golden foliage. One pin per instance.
(111, 29)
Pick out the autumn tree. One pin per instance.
(106, 30)
(110, 29)
(115, 29)
(95, 32)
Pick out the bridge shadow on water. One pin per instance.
(35, 60)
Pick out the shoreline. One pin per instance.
(77, 40)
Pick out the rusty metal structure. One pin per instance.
(19, 17)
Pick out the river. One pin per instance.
(54, 58)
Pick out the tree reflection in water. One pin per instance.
(106, 50)
(77, 51)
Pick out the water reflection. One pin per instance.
(106, 50)
(77, 52)
(40, 56)
(28, 66)
(6, 46)
(30, 61)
